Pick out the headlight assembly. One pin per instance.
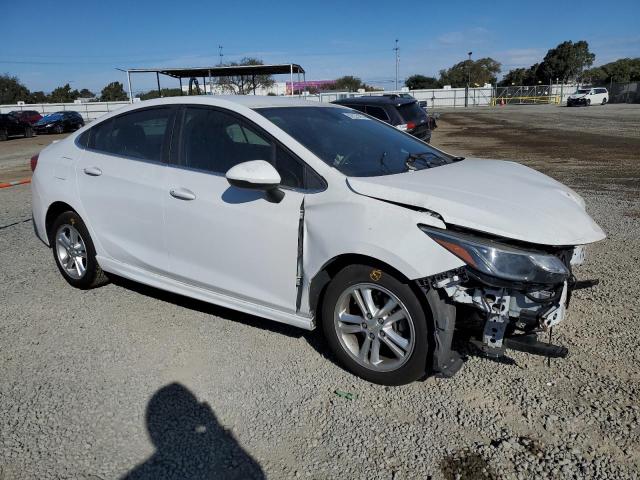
(500, 260)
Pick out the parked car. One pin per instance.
(29, 116)
(588, 96)
(316, 216)
(59, 122)
(11, 126)
(403, 112)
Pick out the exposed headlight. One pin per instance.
(500, 260)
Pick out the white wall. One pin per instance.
(89, 111)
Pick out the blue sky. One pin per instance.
(83, 42)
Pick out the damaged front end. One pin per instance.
(509, 291)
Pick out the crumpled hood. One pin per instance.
(575, 96)
(493, 196)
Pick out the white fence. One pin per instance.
(435, 98)
(89, 110)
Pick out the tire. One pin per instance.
(588, 103)
(69, 224)
(604, 101)
(404, 326)
(3, 135)
(58, 129)
(28, 132)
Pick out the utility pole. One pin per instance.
(397, 50)
(220, 54)
(466, 93)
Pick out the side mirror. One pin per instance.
(256, 175)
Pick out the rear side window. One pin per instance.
(214, 141)
(139, 134)
(411, 112)
(377, 112)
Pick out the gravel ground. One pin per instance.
(16, 152)
(127, 381)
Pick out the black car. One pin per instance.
(59, 122)
(401, 111)
(11, 126)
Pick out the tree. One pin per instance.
(86, 93)
(11, 90)
(63, 94)
(114, 92)
(566, 61)
(166, 92)
(244, 84)
(37, 97)
(596, 75)
(417, 82)
(520, 76)
(622, 70)
(481, 71)
(349, 83)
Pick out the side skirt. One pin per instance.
(170, 285)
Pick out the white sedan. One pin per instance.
(316, 215)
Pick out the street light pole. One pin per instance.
(397, 49)
(466, 95)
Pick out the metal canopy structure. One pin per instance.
(219, 71)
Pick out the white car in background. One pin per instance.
(588, 96)
(316, 215)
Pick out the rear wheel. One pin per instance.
(74, 252)
(3, 134)
(376, 326)
(604, 101)
(28, 132)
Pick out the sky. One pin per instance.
(50, 43)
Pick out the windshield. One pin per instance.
(52, 116)
(354, 143)
(582, 91)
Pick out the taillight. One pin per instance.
(411, 125)
(34, 162)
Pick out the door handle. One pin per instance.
(93, 171)
(182, 194)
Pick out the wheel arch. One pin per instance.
(321, 279)
(54, 211)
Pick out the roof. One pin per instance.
(188, 72)
(376, 99)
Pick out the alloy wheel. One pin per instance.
(71, 251)
(374, 327)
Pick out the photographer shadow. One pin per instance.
(190, 443)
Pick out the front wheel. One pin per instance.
(376, 326)
(74, 252)
(4, 135)
(58, 129)
(588, 102)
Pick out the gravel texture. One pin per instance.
(130, 382)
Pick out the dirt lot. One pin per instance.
(16, 152)
(130, 382)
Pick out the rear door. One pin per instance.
(121, 180)
(226, 239)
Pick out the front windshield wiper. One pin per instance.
(410, 162)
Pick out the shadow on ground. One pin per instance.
(190, 443)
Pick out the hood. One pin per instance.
(493, 196)
(573, 96)
(49, 119)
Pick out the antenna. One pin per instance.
(397, 50)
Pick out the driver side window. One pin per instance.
(214, 141)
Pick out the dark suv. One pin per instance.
(11, 125)
(29, 116)
(403, 112)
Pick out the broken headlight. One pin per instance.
(500, 260)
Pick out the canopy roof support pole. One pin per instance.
(158, 80)
(253, 82)
(181, 91)
(129, 83)
(291, 79)
(299, 86)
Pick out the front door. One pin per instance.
(121, 178)
(226, 239)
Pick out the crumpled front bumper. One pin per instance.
(498, 315)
